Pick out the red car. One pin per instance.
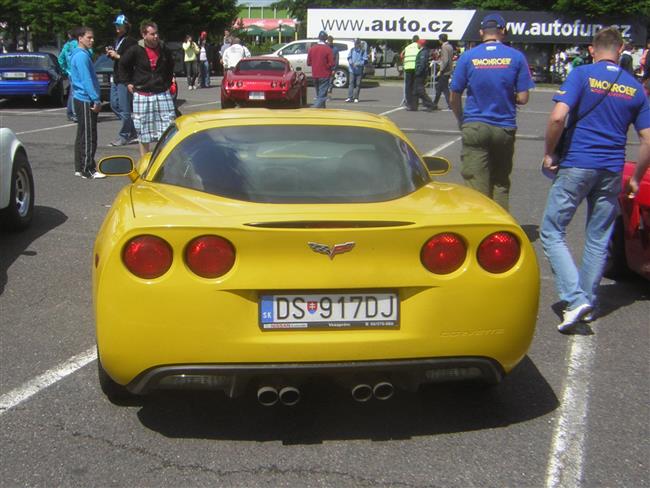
(629, 247)
(264, 81)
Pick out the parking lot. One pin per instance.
(574, 413)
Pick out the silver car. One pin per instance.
(296, 53)
(16, 183)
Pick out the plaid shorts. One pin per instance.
(152, 114)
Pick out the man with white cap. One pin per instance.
(497, 79)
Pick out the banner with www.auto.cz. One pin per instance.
(523, 26)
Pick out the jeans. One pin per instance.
(205, 73)
(70, 107)
(321, 85)
(122, 105)
(442, 88)
(570, 187)
(409, 89)
(354, 87)
(420, 93)
(192, 71)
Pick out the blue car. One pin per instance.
(35, 75)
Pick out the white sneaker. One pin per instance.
(572, 317)
(356, 100)
(77, 173)
(96, 176)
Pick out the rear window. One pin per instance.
(24, 61)
(295, 164)
(260, 65)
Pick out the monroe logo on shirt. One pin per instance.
(601, 86)
(482, 63)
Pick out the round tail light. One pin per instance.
(210, 256)
(499, 252)
(443, 253)
(147, 256)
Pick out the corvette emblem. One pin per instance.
(333, 251)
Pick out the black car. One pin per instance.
(104, 70)
(33, 74)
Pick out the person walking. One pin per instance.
(190, 52)
(601, 100)
(409, 55)
(148, 69)
(205, 58)
(121, 99)
(497, 78)
(335, 54)
(64, 64)
(446, 63)
(422, 61)
(357, 59)
(321, 60)
(234, 54)
(87, 105)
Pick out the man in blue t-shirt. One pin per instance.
(601, 100)
(497, 78)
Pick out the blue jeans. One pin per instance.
(570, 187)
(122, 105)
(205, 73)
(354, 87)
(321, 85)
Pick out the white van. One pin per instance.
(296, 53)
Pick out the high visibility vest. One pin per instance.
(410, 53)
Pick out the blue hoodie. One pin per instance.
(84, 80)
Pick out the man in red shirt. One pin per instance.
(321, 59)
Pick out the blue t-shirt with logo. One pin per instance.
(598, 140)
(492, 73)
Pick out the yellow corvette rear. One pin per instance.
(326, 260)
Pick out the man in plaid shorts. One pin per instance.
(148, 69)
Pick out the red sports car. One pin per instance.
(264, 81)
(630, 243)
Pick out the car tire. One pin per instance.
(227, 103)
(616, 265)
(20, 211)
(113, 391)
(341, 78)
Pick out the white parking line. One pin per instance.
(568, 446)
(441, 147)
(27, 390)
(46, 128)
(393, 110)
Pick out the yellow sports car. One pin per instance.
(263, 249)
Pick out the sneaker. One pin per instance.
(356, 100)
(119, 142)
(77, 173)
(94, 175)
(589, 317)
(348, 100)
(572, 317)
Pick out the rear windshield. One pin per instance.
(295, 164)
(24, 61)
(258, 65)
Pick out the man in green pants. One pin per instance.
(497, 78)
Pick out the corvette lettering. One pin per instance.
(333, 251)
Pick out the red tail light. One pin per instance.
(38, 77)
(147, 256)
(499, 252)
(231, 84)
(443, 253)
(274, 84)
(240, 84)
(210, 256)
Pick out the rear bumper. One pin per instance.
(233, 379)
(24, 89)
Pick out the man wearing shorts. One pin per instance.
(148, 69)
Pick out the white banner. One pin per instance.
(388, 23)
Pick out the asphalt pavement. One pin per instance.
(574, 413)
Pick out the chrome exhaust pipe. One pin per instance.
(383, 390)
(267, 396)
(289, 396)
(34, 98)
(362, 392)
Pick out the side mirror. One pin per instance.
(117, 166)
(437, 165)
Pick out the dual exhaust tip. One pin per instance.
(290, 395)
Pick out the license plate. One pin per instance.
(256, 96)
(14, 74)
(329, 311)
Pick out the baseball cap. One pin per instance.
(493, 21)
(322, 35)
(121, 20)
